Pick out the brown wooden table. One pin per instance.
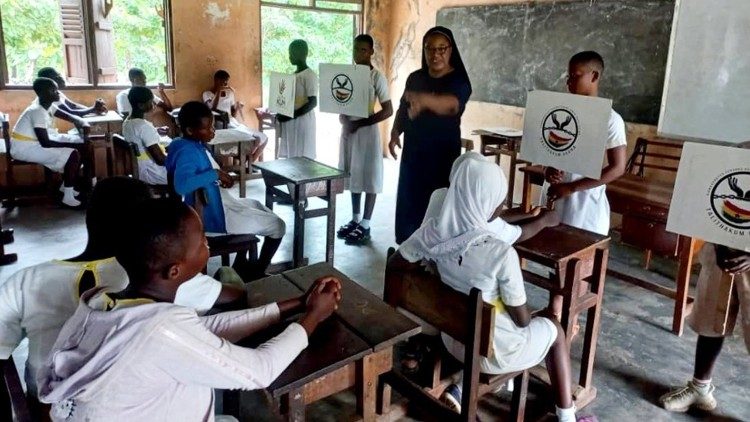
(101, 148)
(241, 165)
(350, 349)
(578, 263)
(493, 144)
(305, 178)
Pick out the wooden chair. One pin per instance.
(127, 156)
(467, 318)
(13, 403)
(467, 144)
(267, 121)
(227, 244)
(12, 190)
(644, 158)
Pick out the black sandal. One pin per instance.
(346, 229)
(359, 236)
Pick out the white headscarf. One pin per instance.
(477, 188)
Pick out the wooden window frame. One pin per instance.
(89, 36)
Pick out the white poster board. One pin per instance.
(345, 89)
(281, 91)
(566, 131)
(711, 199)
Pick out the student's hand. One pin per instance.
(395, 142)
(281, 118)
(560, 190)
(321, 303)
(732, 261)
(225, 180)
(553, 175)
(321, 283)
(160, 88)
(550, 218)
(100, 106)
(163, 130)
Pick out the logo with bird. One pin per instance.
(560, 129)
(730, 199)
(342, 88)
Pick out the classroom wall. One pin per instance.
(208, 35)
(402, 24)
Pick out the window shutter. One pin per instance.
(74, 41)
(104, 42)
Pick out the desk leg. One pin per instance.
(368, 370)
(687, 247)
(242, 152)
(298, 249)
(526, 199)
(269, 197)
(331, 221)
(293, 406)
(593, 319)
(571, 291)
(511, 180)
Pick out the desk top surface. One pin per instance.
(299, 170)
(109, 117)
(557, 244)
(363, 324)
(633, 187)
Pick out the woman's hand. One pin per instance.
(553, 175)
(416, 105)
(395, 142)
(225, 180)
(321, 300)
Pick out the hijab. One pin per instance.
(456, 62)
(477, 188)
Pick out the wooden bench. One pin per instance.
(126, 160)
(464, 317)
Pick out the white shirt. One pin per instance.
(306, 85)
(378, 91)
(140, 132)
(34, 117)
(508, 233)
(123, 103)
(36, 301)
(225, 103)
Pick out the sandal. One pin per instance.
(359, 236)
(346, 229)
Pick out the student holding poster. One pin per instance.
(298, 132)
(582, 202)
(360, 153)
(722, 294)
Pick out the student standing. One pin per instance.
(133, 355)
(429, 116)
(360, 151)
(298, 132)
(582, 201)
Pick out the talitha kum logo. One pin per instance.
(342, 88)
(560, 130)
(730, 200)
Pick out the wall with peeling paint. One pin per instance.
(208, 35)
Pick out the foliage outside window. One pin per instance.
(90, 42)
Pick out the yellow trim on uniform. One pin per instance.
(499, 305)
(19, 137)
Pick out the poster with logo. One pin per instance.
(566, 131)
(345, 89)
(281, 93)
(711, 199)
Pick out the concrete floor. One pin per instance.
(638, 358)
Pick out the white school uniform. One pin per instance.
(72, 136)
(247, 216)
(26, 147)
(468, 254)
(298, 135)
(123, 103)
(235, 131)
(360, 153)
(143, 134)
(589, 209)
(36, 301)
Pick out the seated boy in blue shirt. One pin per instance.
(191, 167)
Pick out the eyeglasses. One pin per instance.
(437, 50)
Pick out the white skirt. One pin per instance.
(298, 137)
(248, 216)
(361, 155)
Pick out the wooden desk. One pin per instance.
(644, 206)
(100, 141)
(493, 144)
(578, 260)
(241, 164)
(305, 178)
(350, 349)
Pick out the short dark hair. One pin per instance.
(301, 44)
(221, 74)
(156, 240)
(139, 95)
(110, 210)
(48, 72)
(191, 114)
(590, 58)
(135, 72)
(365, 38)
(41, 84)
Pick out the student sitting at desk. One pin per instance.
(468, 254)
(191, 167)
(134, 355)
(138, 79)
(142, 133)
(31, 141)
(36, 301)
(581, 201)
